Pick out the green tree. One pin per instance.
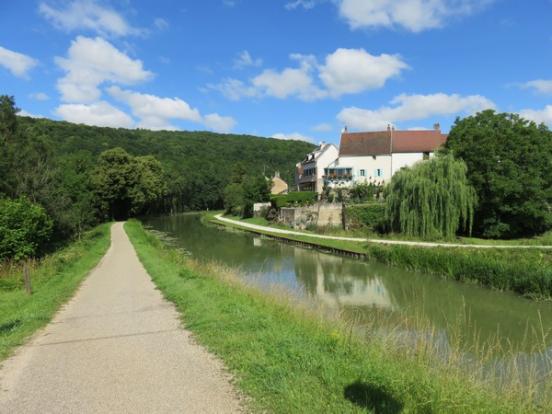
(126, 186)
(234, 198)
(25, 229)
(509, 162)
(432, 199)
(8, 129)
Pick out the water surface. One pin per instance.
(362, 287)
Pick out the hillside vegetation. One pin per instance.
(83, 175)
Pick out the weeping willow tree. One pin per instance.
(432, 199)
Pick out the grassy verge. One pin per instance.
(287, 360)
(54, 280)
(542, 240)
(526, 272)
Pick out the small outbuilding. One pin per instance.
(279, 186)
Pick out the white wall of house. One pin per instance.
(365, 169)
(330, 154)
(369, 169)
(406, 160)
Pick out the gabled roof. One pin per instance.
(390, 141)
(314, 155)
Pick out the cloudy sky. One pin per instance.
(282, 68)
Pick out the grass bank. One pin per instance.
(523, 271)
(287, 360)
(54, 280)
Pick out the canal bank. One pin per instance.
(524, 269)
(288, 359)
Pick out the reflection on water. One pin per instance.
(362, 287)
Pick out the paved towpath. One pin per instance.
(274, 230)
(116, 347)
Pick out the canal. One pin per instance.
(465, 314)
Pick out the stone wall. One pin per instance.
(319, 214)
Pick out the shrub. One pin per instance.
(369, 216)
(297, 198)
(25, 228)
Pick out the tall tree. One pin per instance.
(432, 199)
(509, 162)
(126, 186)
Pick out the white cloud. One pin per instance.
(219, 123)
(540, 85)
(39, 96)
(355, 70)
(17, 63)
(413, 107)
(155, 112)
(413, 15)
(98, 114)
(344, 71)
(91, 62)
(539, 116)
(288, 82)
(293, 136)
(244, 59)
(161, 23)
(88, 15)
(29, 114)
(234, 89)
(323, 127)
(306, 4)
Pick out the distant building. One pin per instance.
(373, 157)
(309, 173)
(366, 157)
(279, 186)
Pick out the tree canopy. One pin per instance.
(509, 162)
(432, 199)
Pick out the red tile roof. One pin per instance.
(379, 143)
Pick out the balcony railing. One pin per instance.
(344, 177)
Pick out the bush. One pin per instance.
(366, 216)
(297, 198)
(25, 228)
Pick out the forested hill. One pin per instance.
(198, 164)
(69, 177)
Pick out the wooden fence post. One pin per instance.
(27, 278)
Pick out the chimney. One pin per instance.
(389, 127)
(344, 130)
(437, 127)
(276, 174)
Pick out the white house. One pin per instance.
(373, 157)
(309, 173)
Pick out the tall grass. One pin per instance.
(295, 356)
(527, 273)
(54, 280)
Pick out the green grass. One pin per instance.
(286, 360)
(54, 279)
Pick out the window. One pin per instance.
(426, 155)
(363, 173)
(378, 172)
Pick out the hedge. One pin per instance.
(295, 198)
(369, 216)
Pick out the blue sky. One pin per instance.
(289, 68)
